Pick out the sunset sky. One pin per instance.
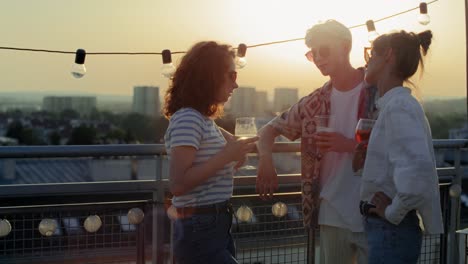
(154, 25)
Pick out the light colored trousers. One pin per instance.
(341, 246)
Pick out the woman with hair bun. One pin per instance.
(399, 182)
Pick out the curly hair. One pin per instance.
(198, 78)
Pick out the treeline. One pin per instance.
(70, 128)
(103, 127)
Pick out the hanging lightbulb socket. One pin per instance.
(423, 8)
(166, 56)
(241, 50)
(80, 56)
(370, 25)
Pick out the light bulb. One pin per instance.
(372, 35)
(92, 223)
(47, 226)
(5, 227)
(240, 57)
(135, 216)
(423, 17)
(279, 209)
(168, 69)
(244, 213)
(240, 62)
(78, 69)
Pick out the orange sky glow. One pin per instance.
(151, 26)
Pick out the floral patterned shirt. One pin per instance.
(298, 122)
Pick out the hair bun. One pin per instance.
(425, 39)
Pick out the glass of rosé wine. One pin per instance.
(362, 135)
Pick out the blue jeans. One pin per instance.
(393, 244)
(204, 238)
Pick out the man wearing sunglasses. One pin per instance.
(330, 191)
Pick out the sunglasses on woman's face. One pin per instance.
(323, 51)
(367, 54)
(233, 75)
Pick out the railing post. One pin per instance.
(454, 222)
(141, 241)
(158, 215)
(311, 245)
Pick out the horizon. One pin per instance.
(43, 93)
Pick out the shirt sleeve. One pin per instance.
(410, 157)
(289, 122)
(186, 130)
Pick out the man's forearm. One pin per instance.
(265, 143)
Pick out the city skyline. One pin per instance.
(117, 25)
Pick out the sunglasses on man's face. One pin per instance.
(323, 51)
(233, 75)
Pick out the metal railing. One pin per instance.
(266, 240)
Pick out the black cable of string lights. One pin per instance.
(181, 52)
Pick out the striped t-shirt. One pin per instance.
(188, 127)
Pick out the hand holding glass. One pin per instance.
(322, 124)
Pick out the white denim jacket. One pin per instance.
(400, 161)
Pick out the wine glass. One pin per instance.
(323, 123)
(245, 128)
(363, 130)
(362, 135)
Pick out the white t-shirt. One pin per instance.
(339, 205)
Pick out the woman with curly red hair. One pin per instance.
(202, 156)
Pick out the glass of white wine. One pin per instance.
(245, 128)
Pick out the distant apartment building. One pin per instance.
(284, 98)
(81, 104)
(146, 100)
(261, 104)
(243, 102)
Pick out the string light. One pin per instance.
(168, 68)
(423, 17)
(47, 226)
(241, 61)
(135, 216)
(5, 227)
(372, 35)
(244, 213)
(92, 223)
(279, 209)
(78, 69)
